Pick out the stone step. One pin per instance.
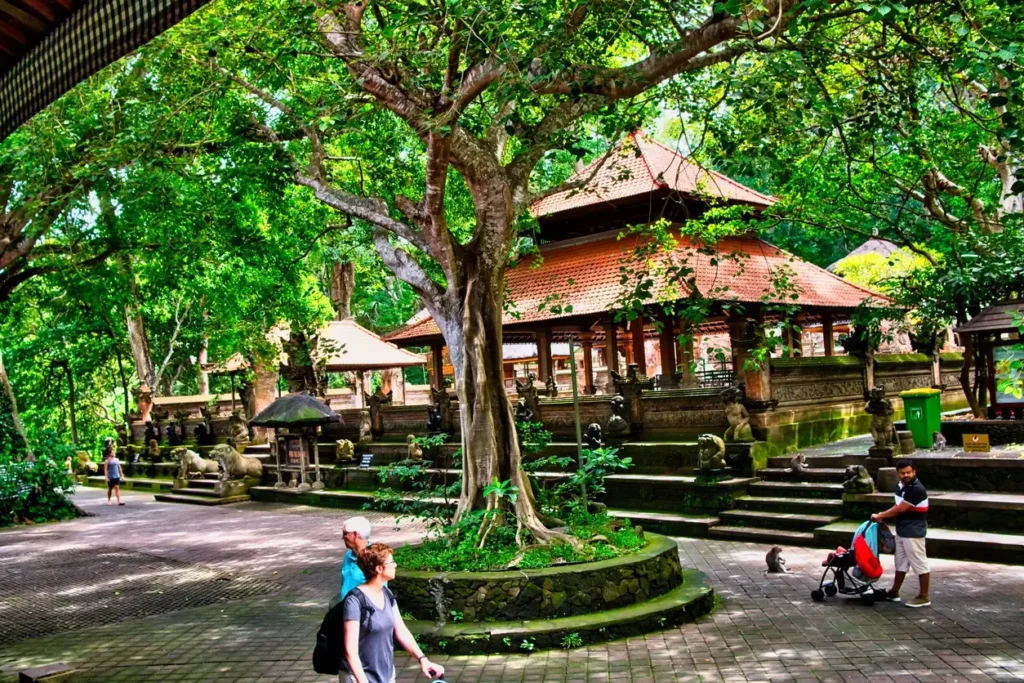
(827, 461)
(197, 500)
(811, 506)
(789, 521)
(133, 483)
(202, 483)
(835, 474)
(202, 493)
(691, 526)
(796, 489)
(759, 535)
(690, 600)
(954, 544)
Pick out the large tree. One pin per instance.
(481, 94)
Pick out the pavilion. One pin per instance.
(643, 181)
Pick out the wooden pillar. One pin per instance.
(757, 381)
(587, 342)
(636, 330)
(611, 353)
(436, 367)
(667, 349)
(827, 334)
(543, 355)
(794, 339)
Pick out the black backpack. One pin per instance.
(329, 651)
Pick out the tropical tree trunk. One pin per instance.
(12, 433)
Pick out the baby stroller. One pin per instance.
(853, 572)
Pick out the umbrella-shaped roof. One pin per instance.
(295, 410)
(347, 346)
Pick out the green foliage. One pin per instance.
(36, 491)
(571, 641)
(1010, 372)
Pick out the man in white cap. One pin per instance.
(356, 534)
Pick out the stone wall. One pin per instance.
(1000, 432)
(970, 474)
(560, 591)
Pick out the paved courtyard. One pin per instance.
(162, 592)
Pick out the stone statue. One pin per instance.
(882, 430)
(365, 429)
(712, 452)
(443, 400)
(191, 465)
(798, 463)
(776, 565)
(239, 428)
(617, 423)
(202, 434)
(552, 388)
(83, 463)
(234, 465)
(67, 465)
(523, 412)
(153, 450)
(346, 450)
(858, 480)
(152, 433)
(529, 394)
(122, 434)
(378, 400)
(737, 415)
(938, 441)
(593, 438)
(433, 419)
(173, 438)
(415, 451)
(630, 387)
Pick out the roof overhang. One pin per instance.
(47, 47)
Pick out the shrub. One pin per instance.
(36, 491)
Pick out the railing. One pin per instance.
(712, 379)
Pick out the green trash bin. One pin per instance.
(923, 409)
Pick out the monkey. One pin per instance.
(776, 565)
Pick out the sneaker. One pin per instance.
(919, 601)
(892, 597)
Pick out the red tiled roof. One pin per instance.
(585, 273)
(628, 174)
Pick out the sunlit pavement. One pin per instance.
(161, 592)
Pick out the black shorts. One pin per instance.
(111, 483)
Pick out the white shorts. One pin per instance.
(349, 678)
(910, 554)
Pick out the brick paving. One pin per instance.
(765, 629)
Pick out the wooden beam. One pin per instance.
(43, 9)
(9, 30)
(22, 17)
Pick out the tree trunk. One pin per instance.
(204, 376)
(490, 443)
(140, 348)
(965, 375)
(12, 433)
(71, 403)
(343, 283)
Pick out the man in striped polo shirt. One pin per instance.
(911, 515)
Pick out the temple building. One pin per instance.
(589, 261)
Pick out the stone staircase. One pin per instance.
(785, 507)
(200, 492)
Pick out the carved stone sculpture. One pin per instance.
(239, 428)
(234, 465)
(83, 464)
(882, 430)
(434, 419)
(529, 394)
(523, 412)
(365, 429)
(443, 400)
(415, 451)
(152, 433)
(346, 450)
(202, 434)
(552, 388)
(378, 400)
(593, 437)
(122, 434)
(858, 480)
(712, 452)
(191, 465)
(630, 387)
(153, 450)
(173, 438)
(798, 463)
(737, 415)
(617, 424)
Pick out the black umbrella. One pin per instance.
(295, 410)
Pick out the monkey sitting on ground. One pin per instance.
(776, 565)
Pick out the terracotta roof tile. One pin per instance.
(628, 174)
(585, 273)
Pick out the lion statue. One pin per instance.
(712, 452)
(737, 415)
(234, 465)
(858, 480)
(83, 463)
(346, 450)
(191, 465)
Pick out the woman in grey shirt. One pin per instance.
(373, 622)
